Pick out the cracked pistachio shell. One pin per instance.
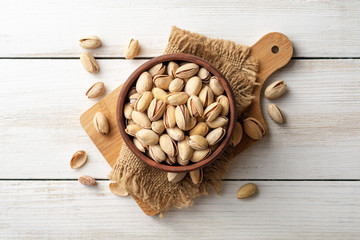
(182, 162)
(144, 82)
(177, 98)
(198, 142)
(204, 75)
(171, 69)
(128, 109)
(246, 191)
(215, 136)
(158, 126)
(216, 86)
(206, 96)
(156, 109)
(133, 98)
(176, 85)
(275, 90)
(101, 123)
(182, 116)
(147, 137)
(200, 155)
(96, 90)
(139, 145)
(253, 128)
(168, 145)
(158, 69)
(225, 105)
(170, 160)
(143, 101)
(193, 86)
(237, 135)
(118, 190)
(175, 133)
(200, 129)
(141, 119)
(191, 124)
(185, 152)
(169, 117)
(132, 49)
(175, 177)
(187, 70)
(159, 93)
(162, 81)
(195, 106)
(212, 111)
(132, 129)
(89, 62)
(90, 42)
(78, 159)
(156, 153)
(275, 113)
(196, 176)
(218, 122)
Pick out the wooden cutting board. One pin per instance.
(273, 51)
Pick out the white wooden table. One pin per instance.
(307, 170)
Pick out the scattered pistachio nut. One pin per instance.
(132, 49)
(196, 176)
(90, 42)
(275, 113)
(175, 177)
(116, 189)
(253, 128)
(101, 123)
(275, 90)
(96, 90)
(237, 135)
(78, 159)
(89, 62)
(246, 190)
(87, 180)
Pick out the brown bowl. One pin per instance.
(131, 82)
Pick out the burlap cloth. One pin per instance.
(151, 185)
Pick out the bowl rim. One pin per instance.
(120, 119)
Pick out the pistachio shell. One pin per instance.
(237, 135)
(101, 123)
(275, 90)
(132, 49)
(246, 191)
(141, 119)
(143, 101)
(182, 116)
(253, 128)
(139, 145)
(218, 122)
(90, 42)
(171, 69)
(159, 93)
(96, 90)
(198, 142)
(204, 75)
(132, 129)
(195, 106)
(200, 129)
(200, 155)
(156, 153)
(130, 121)
(144, 83)
(216, 86)
(175, 177)
(206, 96)
(158, 69)
(89, 62)
(225, 105)
(212, 111)
(133, 98)
(148, 137)
(169, 117)
(177, 98)
(176, 85)
(185, 151)
(132, 91)
(170, 160)
(215, 136)
(187, 70)
(128, 109)
(156, 109)
(175, 133)
(275, 113)
(168, 145)
(193, 86)
(116, 189)
(191, 124)
(78, 159)
(158, 126)
(196, 176)
(182, 162)
(162, 81)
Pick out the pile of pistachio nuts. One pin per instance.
(177, 112)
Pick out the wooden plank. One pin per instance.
(43, 100)
(281, 210)
(319, 28)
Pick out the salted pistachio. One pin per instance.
(212, 111)
(275, 113)
(147, 137)
(143, 101)
(246, 191)
(215, 136)
(195, 106)
(182, 116)
(158, 126)
(132, 49)
(132, 129)
(198, 142)
(133, 98)
(177, 98)
(169, 117)
(156, 153)
(171, 68)
(196, 176)
(158, 69)
(162, 81)
(78, 159)
(96, 90)
(87, 180)
(141, 119)
(170, 160)
(200, 129)
(206, 96)
(101, 123)
(182, 162)
(216, 86)
(175, 133)
(128, 109)
(156, 109)
(253, 128)
(185, 151)
(89, 62)
(168, 145)
(191, 124)
(175, 177)
(225, 105)
(187, 70)
(139, 145)
(204, 75)
(275, 90)
(218, 122)
(144, 82)
(118, 190)
(159, 93)
(176, 85)
(200, 155)
(193, 86)
(237, 135)
(90, 42)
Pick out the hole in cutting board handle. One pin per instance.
(275, 49)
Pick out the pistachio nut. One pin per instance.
(118, 190)
(162, 81)
(175, 133)
(169, 117)
(218, 122)
(87, 180)
(156, 153)
(141, 119)
(191, 124)
(139, 145)
(198, 142)
(176, 85)
(225, 105)
(132, 129)
(171, 69)
(148, 137)
(177, 98)
(200, 155)
(132, 49)
(185, 151)
(237, 135)
(78, 159)
(212, 111)
(89, 62)
(275, 90)
(159, 93)
(170, 160)
(156, 109)
(195, 106)
(90, 42)
(168, 145)
(215, 136)
(182, 162)
(216, 86)
(193, 86)
(182, 116)
(128, 109)
(196, 176)
(206, 96)
(143, 101)
(253, 128)
(101, 123)
(275, 113)
(200, 129)
(158, 126)
(144, 83)
(132, 91)
(133, 98)
(175, 177)
(246, 191)
(204, 75)
(187, 70)
(96, 90)
(158, 69)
